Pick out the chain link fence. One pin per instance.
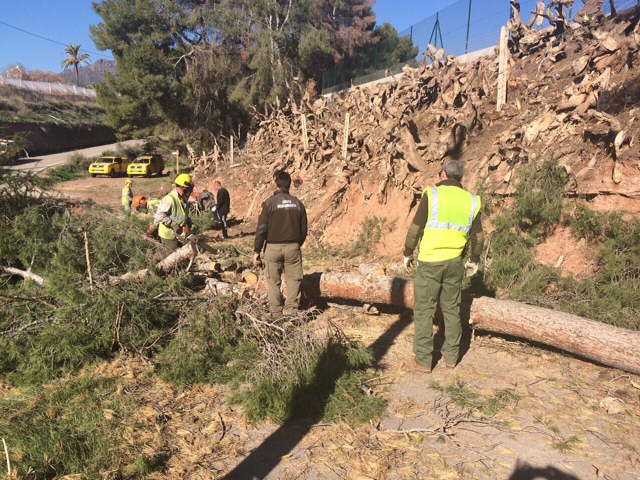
(46, 87)
(464, 27)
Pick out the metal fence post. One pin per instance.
(466, 45)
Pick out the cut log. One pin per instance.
(181, 255)
(249, 277)
(605, 344)
(613, 346)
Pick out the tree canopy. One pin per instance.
(195, 69)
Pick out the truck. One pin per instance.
(146, 165)
(112, 166)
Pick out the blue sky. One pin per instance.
(68, 21)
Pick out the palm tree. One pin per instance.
(75, 58)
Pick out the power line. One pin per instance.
(53, 41)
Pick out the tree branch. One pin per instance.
(24, 274)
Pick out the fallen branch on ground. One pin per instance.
(27, 275)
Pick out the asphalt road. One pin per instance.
(42, 162)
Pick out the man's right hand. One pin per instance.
(257, 261)
(408, 264)
(151, 230)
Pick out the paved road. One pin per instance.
(42, 162)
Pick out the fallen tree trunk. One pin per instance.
(605, 344)
(168, 264)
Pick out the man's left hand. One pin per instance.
(257, 261)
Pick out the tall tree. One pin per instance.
(196, 68)
(74, 59)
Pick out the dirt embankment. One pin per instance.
(47, 138)
(572, 97)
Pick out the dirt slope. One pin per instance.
(573, 97)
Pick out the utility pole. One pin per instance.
(466, 45)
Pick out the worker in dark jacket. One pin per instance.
(282, 229)
(447, 218)
(223, 205)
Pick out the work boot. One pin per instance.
(417, 367)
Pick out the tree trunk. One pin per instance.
(605, 344)
(181, 255)
(613, 346)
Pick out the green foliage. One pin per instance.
(63, 429)
(536, 210)
(370, 234)
(197, 69)
(612, 295)
(465, 398)
(564, 445)
(66, 325)
(206, 340)
(539, 197)
(350, 403)
(313, 378)
(76, 167)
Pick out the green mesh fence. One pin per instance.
(463, 27)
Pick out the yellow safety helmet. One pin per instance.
(128, 182)
(184, 180)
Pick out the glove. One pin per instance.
(193, 230)
(214, 208)
(471, 268)
(408, 264)
(151, 231)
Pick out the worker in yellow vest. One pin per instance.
(127, 196)
(171, 216)
(448, 216)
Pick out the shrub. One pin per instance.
(63, 429)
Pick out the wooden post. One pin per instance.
(345, 136)
(503, 69)
(305, 134)
(86, 254)
(177, 154)
(231, 151)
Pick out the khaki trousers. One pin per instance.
(284, 258)
(435, 281)
(170, 244)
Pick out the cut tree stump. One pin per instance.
(612, 346)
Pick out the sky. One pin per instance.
(65, 22)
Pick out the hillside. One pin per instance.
(573, 98)
(90, 74)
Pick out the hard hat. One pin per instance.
(184, 180)
(128, 182)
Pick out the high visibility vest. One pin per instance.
(126, 192)
(451, 213)
(177, 214)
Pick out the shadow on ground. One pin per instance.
(261, 461)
